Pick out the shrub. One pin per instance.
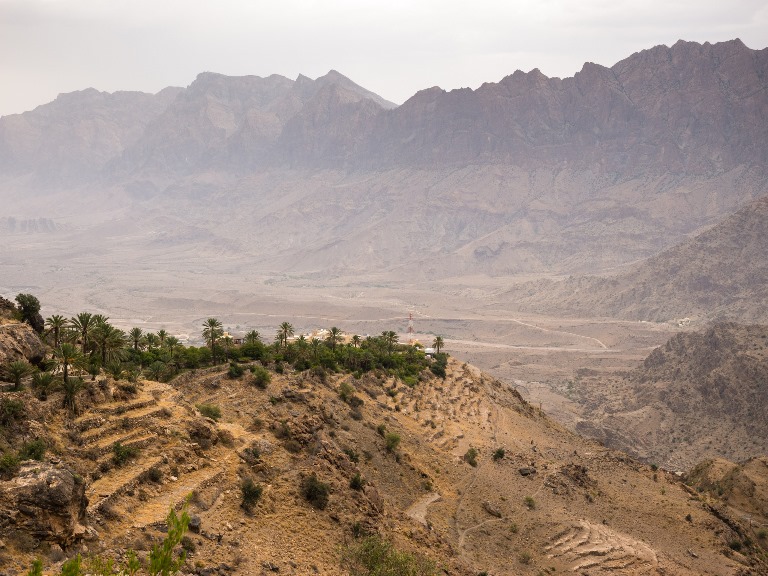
(352, 455)
(161, 558)
(235, 370)
(392, 441)
(11, 410)
(293, 446)
(121, 454)
(261, 377)
(498, 454)
(357, 482)
(356, 414)
(525, 558)
(381, 429)
(346, 391)
(315, 492)
(34, 450)
(252, 455)
(210, 410)
(373, 556)
(470, 457)
(530, 502)
(251, 492)
(9, 463)
(282, 431)
(154, 474)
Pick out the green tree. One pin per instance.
(42, 382)
(438, 343)
(212, 331)
(29, 307)
(135, 335)
(71, 387)
(66, 356)
(16, 371)
(56, 325)
(161, 337)
(334, 337)
(284, 332)
(172, 344)
(252, 337)
(356, 340)
(109, 341)
(83, 323)
(152, 341)
(390, 340)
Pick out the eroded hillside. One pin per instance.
(700, 396)
(459, 469)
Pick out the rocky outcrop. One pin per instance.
(44, 501)
(20, 341)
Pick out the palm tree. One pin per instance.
(438, 343)
(161, 336)
(156, 370)
(390, 340)
(83, 323)
(41, 382)
(252, 337)
(356, 340)
(301, 346)
(172, 343)
(284, 332)
(71, 387)
(67, 355)
(16, 371)
(56, 324)
(151, 340)
(115, 369)
(334, 337)
(110, 341)
(315, 344)
(135, 335)
(212, 331)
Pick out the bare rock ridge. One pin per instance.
(690, 108)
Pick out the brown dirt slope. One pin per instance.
(552, 502)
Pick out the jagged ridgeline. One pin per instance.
(330, 455)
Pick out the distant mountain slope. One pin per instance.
(73, 137)
(702, 395)
(322, 178)
(721, 273)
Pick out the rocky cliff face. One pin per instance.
(690, 108)
(19, 341)
(45, 502)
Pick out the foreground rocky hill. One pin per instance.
(700, 396)
(460, 470)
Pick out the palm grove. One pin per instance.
(87, 345)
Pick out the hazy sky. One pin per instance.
(393, 48)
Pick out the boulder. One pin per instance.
(19, 341)
(46, 501)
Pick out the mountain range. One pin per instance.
(322, 178)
